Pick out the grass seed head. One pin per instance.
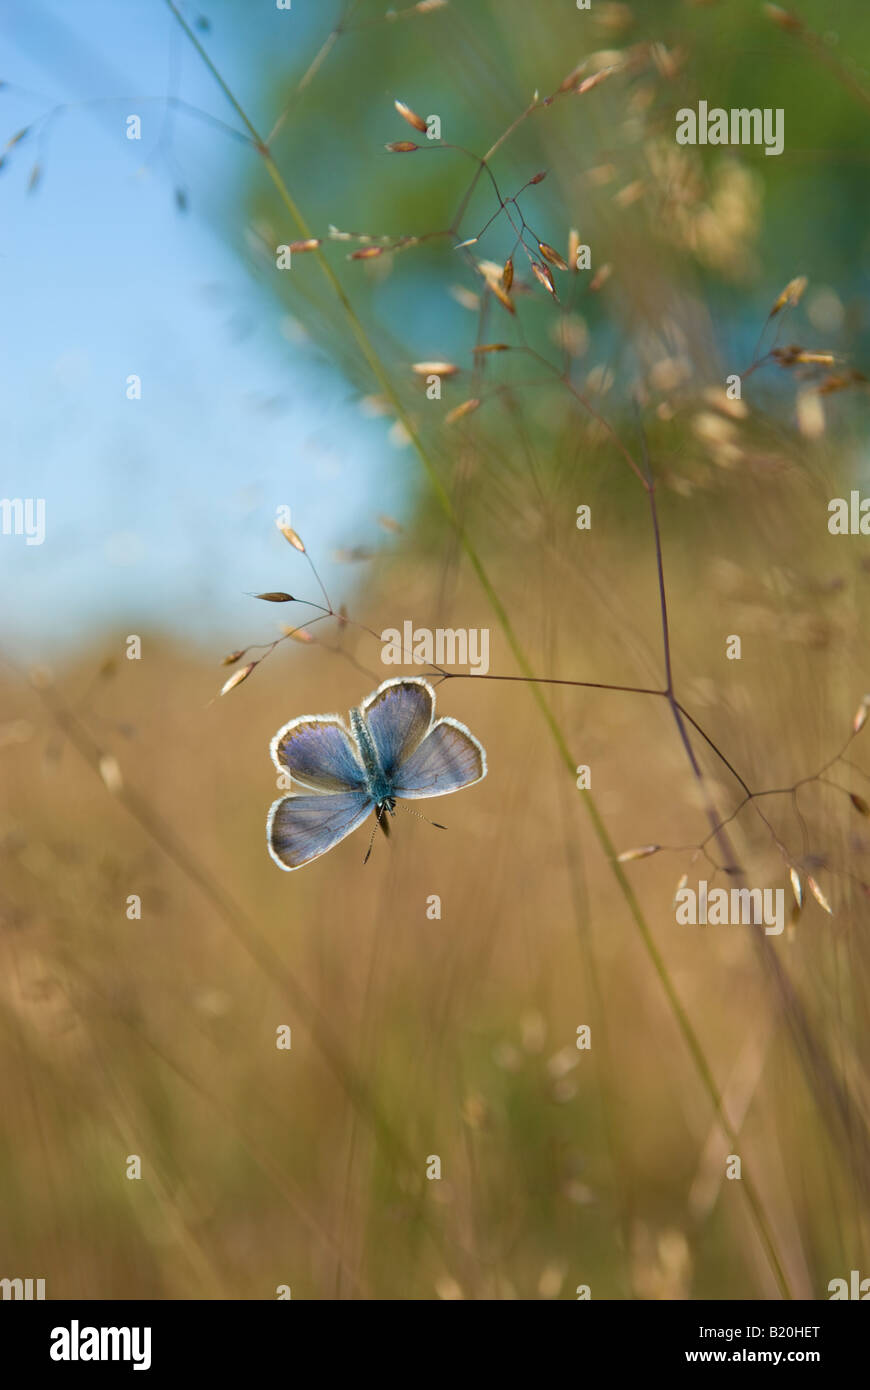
(466, 408)
(791, 294)
(237, 677)
(819, 895)
(552, 256)
(783, 18)
(435, 368)
(410, 116)
(796, 886)
(543, 275)
(292, 536)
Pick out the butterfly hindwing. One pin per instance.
(301, 827)
(448, 758)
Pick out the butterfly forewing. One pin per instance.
(398, 715)
(319, 753)
(301, 827)
(448, 758)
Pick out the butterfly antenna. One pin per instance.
(371, 842)
(420, 816)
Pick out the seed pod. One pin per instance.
(796, 886)
(825, 359)
(237, 677)
(18, 136)
(110, 772)
(502, 296)
(595, 80)
(861, 715)
(790, 295)
(572, 77)
(410, 116)
(292, 536)
(542, 274)
(552, 256)
(782, 17)
(435, 368)
(840, 383)
(465, 408)
(819, 895)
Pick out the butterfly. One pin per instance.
(394, 748)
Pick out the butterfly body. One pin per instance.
(394, 749)
(377, 782)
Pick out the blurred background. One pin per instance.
(415, 1035)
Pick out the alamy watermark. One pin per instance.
(849, 518)
(856, 1288)
(440, 646)
(75, 1343)
(739, 126)
(739, 906)
(23, 516)
(22, 1289)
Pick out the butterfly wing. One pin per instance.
(399, 715)
(303, 826)
(446, 759)
(319, 753)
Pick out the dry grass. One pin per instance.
(560, 1167)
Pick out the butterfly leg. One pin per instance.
(383, 822)
(380, 820)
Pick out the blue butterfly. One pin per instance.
(394, 748)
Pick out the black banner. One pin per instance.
(63, 1339)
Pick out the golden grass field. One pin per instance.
(456, 1036)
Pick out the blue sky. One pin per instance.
(159, 511)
